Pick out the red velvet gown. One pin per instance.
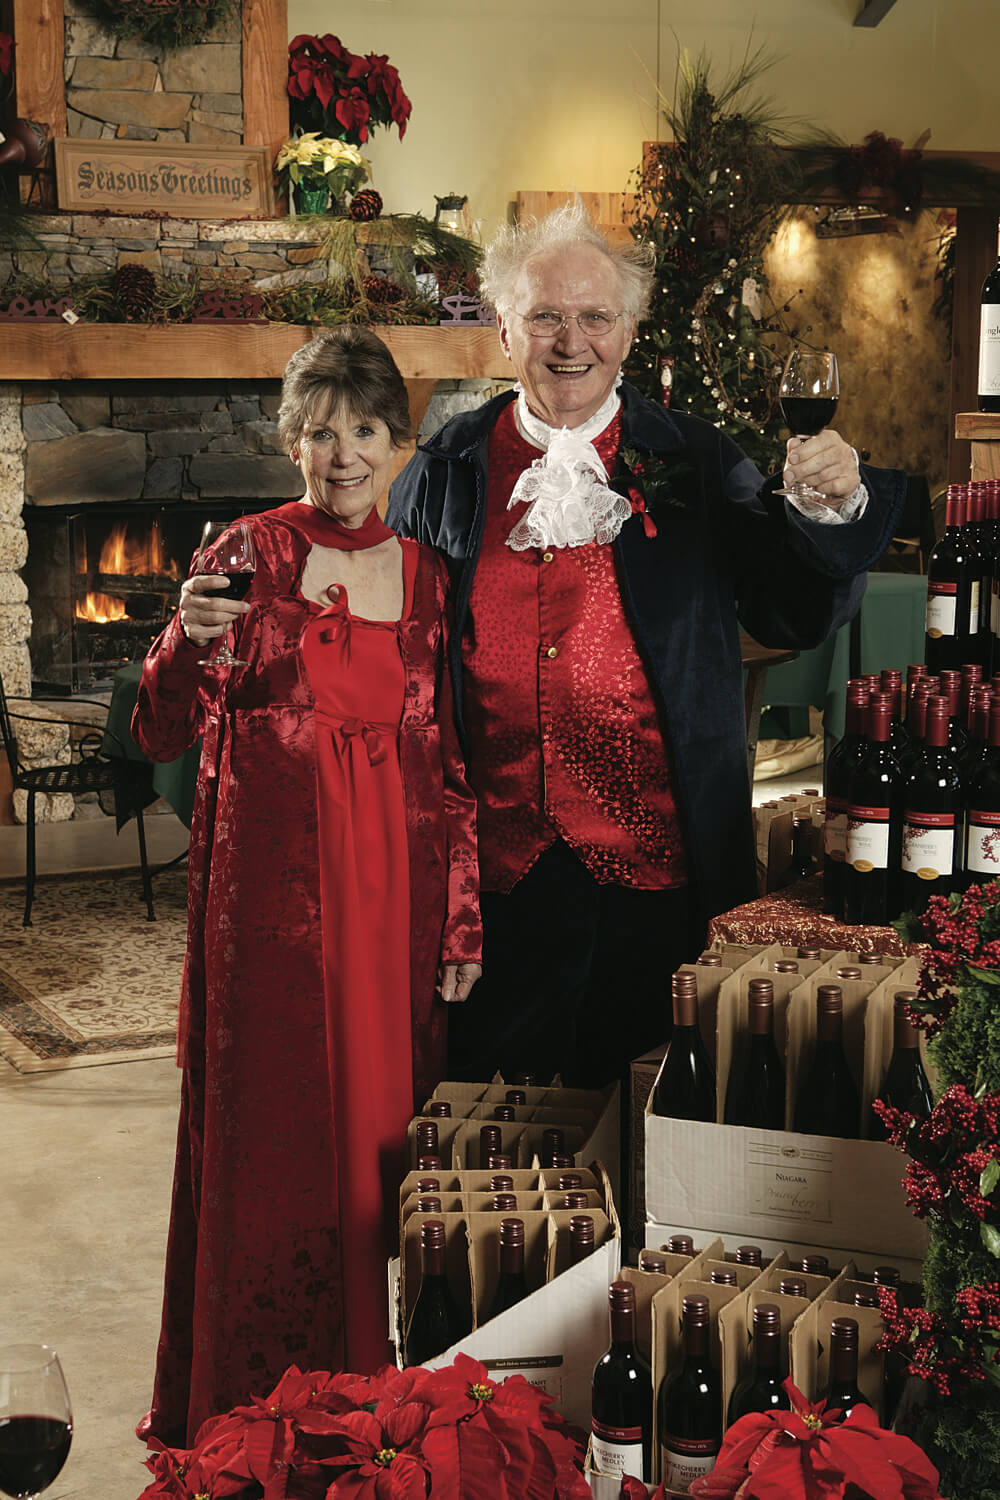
(332, 865)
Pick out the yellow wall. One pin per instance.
(561, 93)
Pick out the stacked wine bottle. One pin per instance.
(912, 792)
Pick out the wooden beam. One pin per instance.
(131, 351)
(873, 11)
(41, 91)
(265, 73)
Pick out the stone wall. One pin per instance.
(128, 90)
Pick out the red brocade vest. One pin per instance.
(564, 737)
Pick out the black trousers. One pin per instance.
(576, 977)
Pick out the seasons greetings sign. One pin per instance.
(185, 182)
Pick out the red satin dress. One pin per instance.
(356, 674)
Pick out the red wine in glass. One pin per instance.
(36, 1425)
(809, 391)
(227, 551)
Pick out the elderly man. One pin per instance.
(596, 656)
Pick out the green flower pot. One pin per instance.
(310, 200)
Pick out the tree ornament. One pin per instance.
(365, 205)
(134, 290)
(162, 23)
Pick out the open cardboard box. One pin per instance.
(843, 1196)
(555, 1336)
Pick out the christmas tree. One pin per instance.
(708, 202)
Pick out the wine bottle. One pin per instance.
(435, 1322)
(992, 534)
(553, 1145)
(680, 1244)
(685, 1088)
(622, 1396)
(808, 953)
(490, 1143)
(504, 1112)
(989, 341)
(761, 1389)
(793, 1286)
(828, 1102)
(581, 1237)
(566, 1181)
(516, 1096)
(512, 1287)
(886, 1275)
(428, 1184)
(815, 1265)
(688, 1409)
(948, 638)
(785, 966)
(501, 1182)
(843, 1393)
(756, 1093)
(749, 1255)
(499, 1161)
(865, 1299)
(874, 825)
(866, 959)
(654, 1261)
(905, 1085)
(427, 1138)
(932, 812)
(429, 1163)
(430, 1204)
(982, 817)
(891, 682)
(710, 960)
(802, 856)
(576, 1199)
(722, 1276)
(916, 724)
(439, 1109)
(982, 567)
(840, 765)
(503, 1203)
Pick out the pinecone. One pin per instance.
(380, 290)
(365, 205)
(134, 290)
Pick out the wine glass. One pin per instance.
(36, 1424)
(227, 550)
(809, 391)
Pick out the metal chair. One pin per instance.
(93, 772)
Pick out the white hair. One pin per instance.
(514, 245)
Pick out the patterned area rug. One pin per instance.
(91, 981)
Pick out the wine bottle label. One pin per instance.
(942, 599)
(983, 857)
(683, 1460)
(617, 1450)
(974, 607)
(928, 844)
(989, 350)
(835, 829)
(868, 838)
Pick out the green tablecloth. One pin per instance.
(892, 635)
(173, 780)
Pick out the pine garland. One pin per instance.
(162, 23)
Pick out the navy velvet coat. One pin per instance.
(728, 553)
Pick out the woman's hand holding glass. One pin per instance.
(455, 981)
(205, 611)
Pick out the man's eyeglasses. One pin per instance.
(547, 325)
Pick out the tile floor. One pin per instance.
(86, 1172)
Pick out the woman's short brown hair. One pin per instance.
(347, 366)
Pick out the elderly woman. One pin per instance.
(596, 652)
(332, 871)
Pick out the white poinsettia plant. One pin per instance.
(321, 161)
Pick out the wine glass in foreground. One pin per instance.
(227, 550)
(36, 1425)
(809, 391)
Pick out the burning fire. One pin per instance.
(101, 609)
(125, 556)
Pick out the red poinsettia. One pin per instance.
(343, 93)
(808, 1453)
(454, 1434)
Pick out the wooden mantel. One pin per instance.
(185, 351)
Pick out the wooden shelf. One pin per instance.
(981, 426)
(129, 351)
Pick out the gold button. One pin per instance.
(552, 651)
(546, 557)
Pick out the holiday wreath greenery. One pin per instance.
(162, 23)
(952, 1344)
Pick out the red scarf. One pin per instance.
(326, 531)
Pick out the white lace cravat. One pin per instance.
(566, 490)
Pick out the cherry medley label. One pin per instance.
(928, 844)
(942, 602)
(983, 855)
(617, 1450)
(683, 1460)
(868, 838)
(835, 829)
